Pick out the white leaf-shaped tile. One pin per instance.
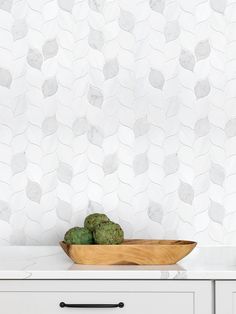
(66, 5)
(95, 96)
(202, 88)
(5, 211)
(6, 5)
(218, 5)
(156, 79)
(94, 207)
(217, 174)
(141, 127)
(49, 125)
(49, 87)
(187, 60)
(110, 164)
(172, 106)
(157, 5)
(64, 210)
(171, 164)
(230, 128)
(19, 29)
(95, 135)
(65, 172)
(5, 78)
(35, 58)
(18, 163)
(33, 191)
(186, 193)
(202, 127)
(111, 69)
(155, 212)
(80, 126)
(95, 39)
(216, 212)
(126, 21)
(202, 49)
(140, 164)
(171, 30)
(96, 5)
(50, 48)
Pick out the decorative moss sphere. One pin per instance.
(78, 235)
(108, 233)
(93, 220)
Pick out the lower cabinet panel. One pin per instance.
(225, 297)
(138, 297)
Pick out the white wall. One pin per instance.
(126, 107)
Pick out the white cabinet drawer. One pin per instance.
(139, 297)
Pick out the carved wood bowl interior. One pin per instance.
(130, 252)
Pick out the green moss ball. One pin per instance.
(78, 235)
(93, 220)
(108, 233)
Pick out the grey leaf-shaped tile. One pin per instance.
(96, 5)
(95, 135)
(65, 172)
(95, 39)
(202, 88)
(95, 96)
(49, 125)
(155, 212)
(202, 49)
(111, 69)
(35, 58)
(186, 193)
(217, 174)
(110, 164)
(230, 128)
(64, 210)
(18, 163)
(171, 164)
(6, 5)
(216, 212)
(202, 127)
(171, 30)
(218, 5)
(80, 126)
(157, 5)
(141, 127)
(140, 164)
(5, 211)
(5, 78)
(19, 29)
(50, 48)
(187, 60)
(33, 191)
(66, 5)
(126, 21)
(49, 87)
(156, 79)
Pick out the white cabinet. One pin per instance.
(138, 296)
(225, 297)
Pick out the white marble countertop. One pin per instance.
(50, 262)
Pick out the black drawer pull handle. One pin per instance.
(93, 306)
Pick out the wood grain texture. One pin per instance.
(130, 252)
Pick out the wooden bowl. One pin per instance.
(130, 252)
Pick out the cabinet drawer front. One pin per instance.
(138, 296)
(134, 303)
